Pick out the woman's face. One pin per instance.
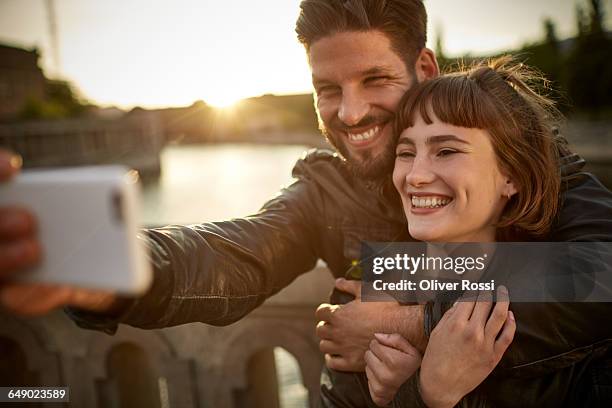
(451, 186)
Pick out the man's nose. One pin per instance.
(353, 108)
(421, 172)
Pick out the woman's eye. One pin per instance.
(404, 154)
(446, 152)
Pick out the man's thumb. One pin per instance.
(349, 286)
(9, 164)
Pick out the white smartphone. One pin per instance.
(87, 225)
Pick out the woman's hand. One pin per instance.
(390, 361)
(464, 348)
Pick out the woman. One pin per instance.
(476, 161)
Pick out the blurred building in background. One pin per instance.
(133, 142)
(20, 79)
(48, 125)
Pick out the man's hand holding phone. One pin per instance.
(21, 250)
(19, 247)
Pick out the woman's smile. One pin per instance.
(428, 203)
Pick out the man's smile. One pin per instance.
(364, 137)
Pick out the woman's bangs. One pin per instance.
(458, 101)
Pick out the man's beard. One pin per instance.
(373, 169)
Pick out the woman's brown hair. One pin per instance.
(497, 97)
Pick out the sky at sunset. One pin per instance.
(158, 53)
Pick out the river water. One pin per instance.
(214, 182)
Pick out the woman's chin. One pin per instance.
(426, 235)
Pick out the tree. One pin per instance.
(597, 17)
(550, 33)
(61, 101)
(589, 65)
(581, 21)
(547, 58)
(443, 61)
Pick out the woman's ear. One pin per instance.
(509, 188)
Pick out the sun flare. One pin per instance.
(223, 101)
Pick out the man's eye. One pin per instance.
(375, 80)
(446, 152)
(326, 90)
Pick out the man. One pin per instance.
(364, 54)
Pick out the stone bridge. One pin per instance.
(193, 365)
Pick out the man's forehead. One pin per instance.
(353, 53)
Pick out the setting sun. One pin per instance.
(223, 100)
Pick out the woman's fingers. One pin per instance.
(502, 294)
(378, 379)
(506, 336)
(482, 308)
(372, 378)
(499, 315)
(463, 309)
(374, 362)
(375, 356)
(391, 365)
(397, 342)
(391, 356)
(376, 389)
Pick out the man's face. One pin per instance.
(359, 81)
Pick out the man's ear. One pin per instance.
(426, 65)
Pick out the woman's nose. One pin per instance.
(420, 172)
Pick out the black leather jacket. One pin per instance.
(218, 272)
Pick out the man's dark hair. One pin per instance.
(403, 21)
